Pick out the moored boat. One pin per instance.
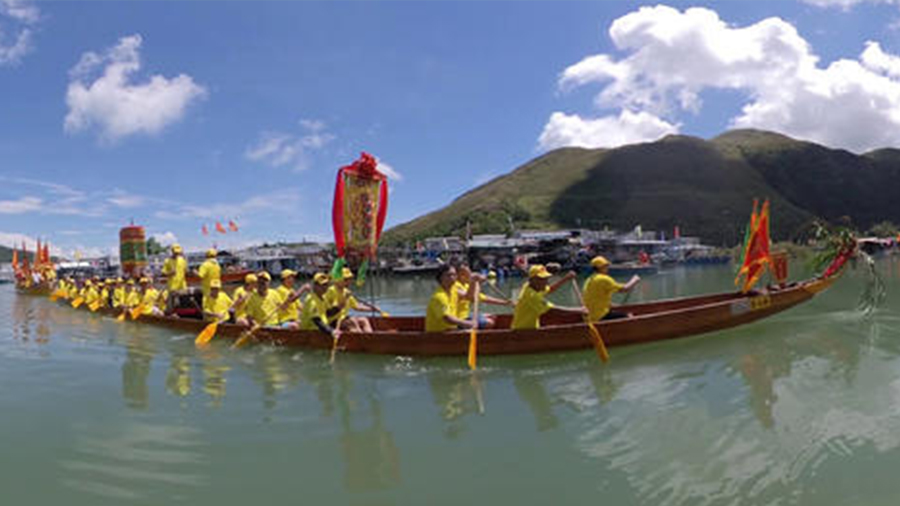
(651, 321)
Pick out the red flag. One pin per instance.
(232, 226)
(37, 255)
(25, 267)
(15, 260)
(757, 256)
(47, 253)
(204, 230)
(220, 229)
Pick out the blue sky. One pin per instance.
(179, 114)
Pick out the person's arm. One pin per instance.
(457, 321)
(631, 283)
(562, 281)
(495, 301)
(324, 327)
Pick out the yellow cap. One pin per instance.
(287, 273)
(211, 253)
(120, 280)
(492, 274)
(263, 275)
(599, 261)
(538, 271)
(131, 282)
(145, 280)
(250, 278)
(216, 283)
(176, 248)
(346, 273)
(321, 278)
(87, 282)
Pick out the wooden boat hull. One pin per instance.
(652, 321)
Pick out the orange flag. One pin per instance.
(15, 260)
(758, 256)
(232, 226)
(220, 229)
(204, 230)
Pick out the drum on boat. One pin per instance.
(133, 250)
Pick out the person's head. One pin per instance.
(262, 282)
(538, 276)
(346, 278)
(600, 264)
(320, 283)
(130, 285)
(446, 276)
(287, 278)
(250, 281)
(176, 250)
(120, 282)
(211, 253)
(464, 273)
(145, 284)
(215, 286)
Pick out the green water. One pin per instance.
(802, 408)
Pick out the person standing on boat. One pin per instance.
(465, 292)
(262, 308)
(175, 270)
(532, 302)
(315, 307)
(209, 271)
(442, 308)
(217, 305)
(240, 296)
(340, 301)
(599, 289)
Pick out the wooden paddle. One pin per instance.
(77, 302)
(473, 334)
(247, 334)
(594, 333)
(94, 306)
(206, 335)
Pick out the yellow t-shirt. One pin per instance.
(104, 297)
(598, 291)
(240, 311)
(313, 307)
(133, 299)
(463, 306)
(292, 312)
(441, 304)
(90, 296)
(263, 310)
(209, 271)
(220, 305)
(176, 270)
(149, 300)
(118, 297)
(530, 307)
(332, 299)
(73, 291)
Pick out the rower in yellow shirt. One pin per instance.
(209, 271)
(217, 305)
(599, 289)
(90, 293)
(340, 301)
(132, 296)
(149, 298)
(442, 308)
(289, 316)
(315, 307)
(241, 296)
(263, 306)
(532, 302)
(465, 290)
(118, 295)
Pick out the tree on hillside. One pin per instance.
(884, 229)
(154, 247)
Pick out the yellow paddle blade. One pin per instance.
(94, 306)
(77, 302)
(473, 348)
(206, 334)
(242, 340)
(136, 312)
(598, 343)
(121, 317)
(385, 314)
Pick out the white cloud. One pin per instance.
(278, 149)
(101, 93)
(284, 201)
(606, 132)
(671, 57)
(22, 205)
(15, 240)
(166, 238)
(126, 200)
(389, 171)
(18, 19)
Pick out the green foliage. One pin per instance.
(884, 229)
(154, 247)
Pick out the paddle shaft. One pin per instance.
(594, 333)
(473, 335)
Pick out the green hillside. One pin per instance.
(705, 187)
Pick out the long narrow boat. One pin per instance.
(652, 321)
